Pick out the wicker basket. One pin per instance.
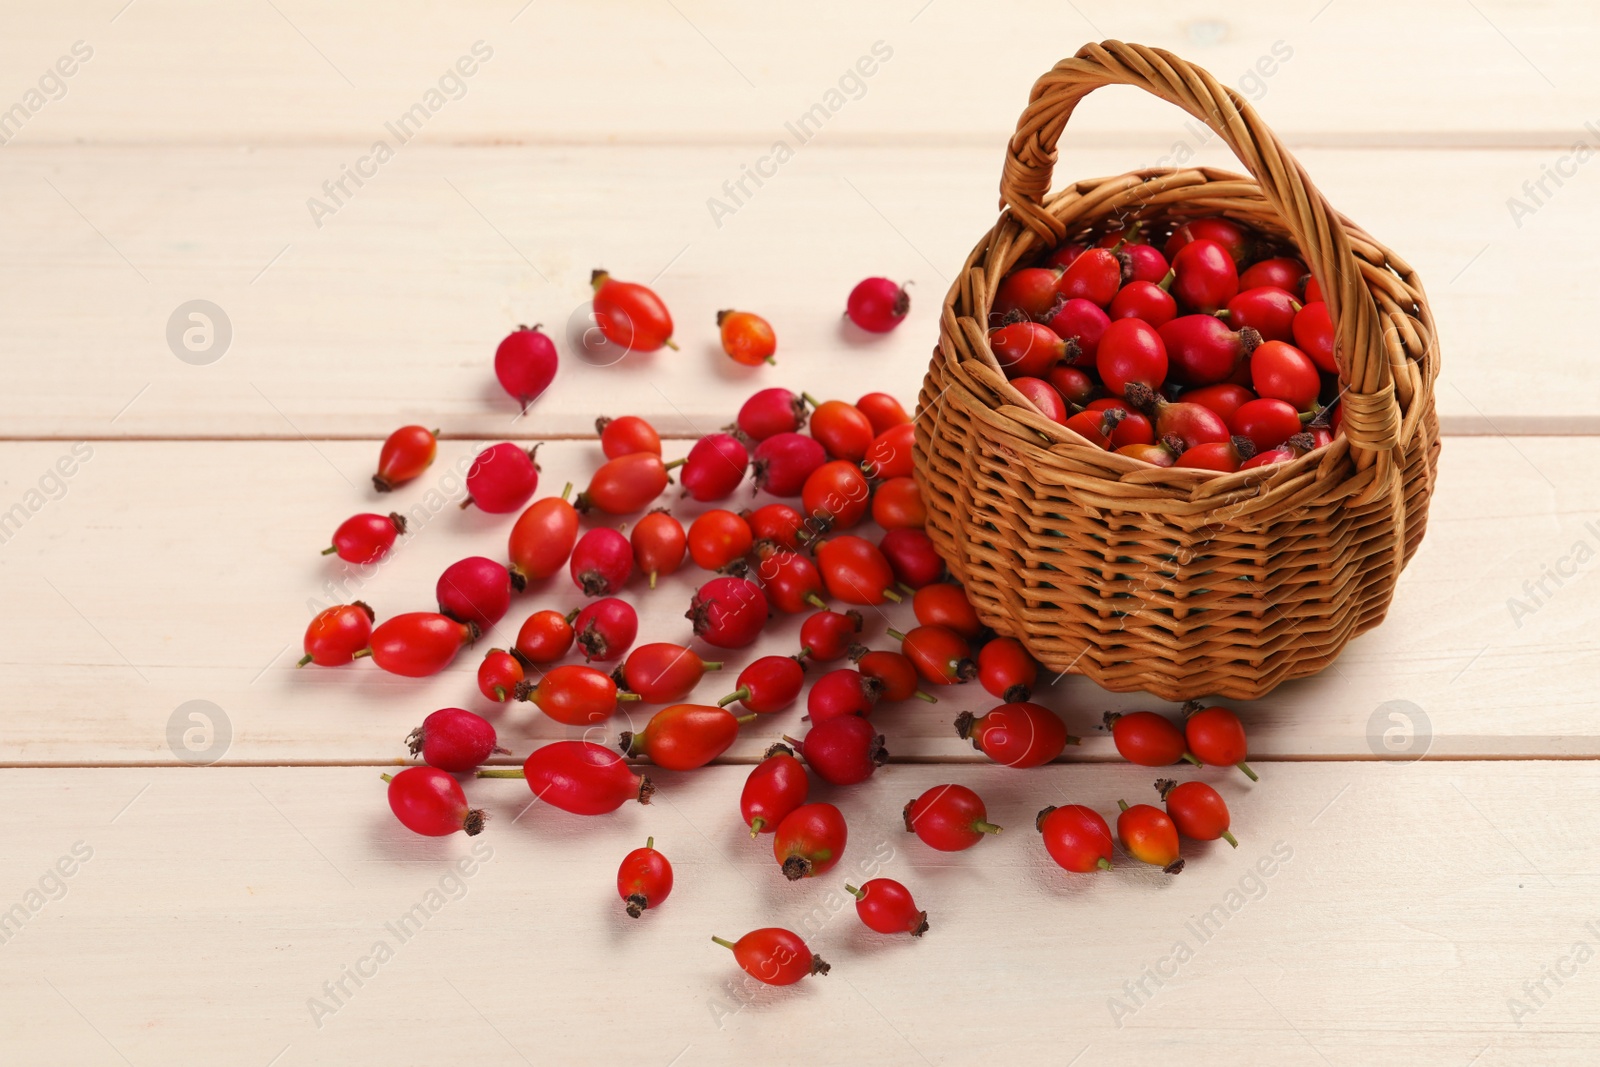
(1181, 583)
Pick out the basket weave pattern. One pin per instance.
(1178, 582)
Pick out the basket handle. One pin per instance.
(1371, 412)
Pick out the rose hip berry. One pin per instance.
(946, 604)
(1145, 738)
(843, 431)
(428, 801)
(1076, 837)
(338, 635)
(897, 674)
(941, 655)
(885, 906)
(366, 538)
(659, 543)
(1031, 290)
(602, 562)
(747, 337)
(1313, 334)
(776, 786)
(771, 411)
(1205, 276)
(1144, 300)
(644, 879)
(714, 467)
(1216, 737)
(728, 612)
(1268, 310)
(1239, 246)
(877, 305)
(580, 777)
(1283, 372)
(419, 643)
(1006, 670)
(791, 580)
(1017, 734)
(475, 590)
(809, 841)
(898, 503)
(1149, 836)
(828, 635)
(499, 674)
(627, 435)
(784, 461)
(1268, 423)
(889, 455)
(912, 557)
(719, 539)
(835, 497)
(682, 737)
(454, 739)
(1197, 810)
(1082, 326)
(625, 485)
(405, 455)
(525, 363)
(769, 684)
(606, 629)
(843, 751)
(1026, 349)
(1283, 272)
(541, 540)
(662, 673)
(1204, 350)
(949, 818)
(1131, 351)
(1094, 276)
(855, 571)
(574, 695)
(502, 478)
(774, 956)
(545, 636)
(1043, 397)
(842, 692)
(630, 315)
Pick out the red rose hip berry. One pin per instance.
(644, 879)
(949, 818)
(1076, 837)
(887, 907)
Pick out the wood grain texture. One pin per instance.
(473, 241)
(711, 69)
(142, 589)
(1329, 936)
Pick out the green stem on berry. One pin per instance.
(567, 489)
(1189, 756)
(853, 891)
(809, 399)
(330, 550)
(755, 826)
(675, 463)
(1245, 767)
(387, 777)
(628, 696)
(500, 693)
(890, 594)
(1230, 839)
(815, 601)
(500, 772)
(896, 634)
(721, 941)
(920, 695)
(1122, 805)
(1103, 863)
(986, 827)
(741, 693)
(303, 660)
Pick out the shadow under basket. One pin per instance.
(1181, 583)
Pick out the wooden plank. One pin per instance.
(173, 572)
(713, 69)
(1335, 933)
(391, 311)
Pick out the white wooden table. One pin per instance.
(1419, 893)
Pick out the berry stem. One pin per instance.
(809, 399)
(755, 826)
(628, 696)
(1103, 863)
(853, 891)
(652, 579)
(815, 601)
(303, 660)
(986, 827)
(1074, 740)
(711, 664)
(742, 719)
(500, 772)
(890, 594)
(896, 634)
(1189, 756)
(330, 550)
(649, 842)
(1248, 773)
(742, 693)
(675, 463)
(1122, 805)
(500, 693)
(920, 695)
(387, 777)
(1227, 835)
(361, 654)
(723, 942)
